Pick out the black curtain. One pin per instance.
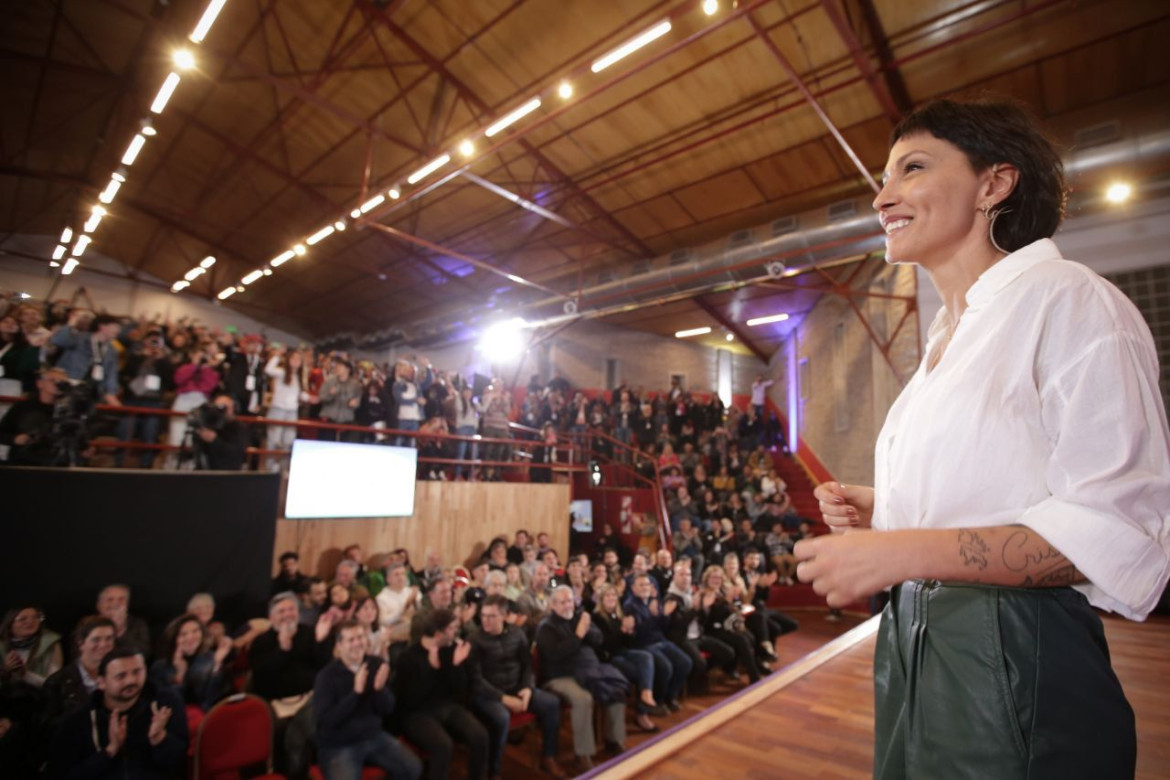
(66, 533)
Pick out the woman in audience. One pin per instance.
(197, 675)
(667, 459)
(288, 393)
(366, 612)
(340, 395)
(617, 630)
(69, 688)
(496, 414)
(30, 653)
(723, 621)
(515, 582)
(759, 584)
(397, 603)
(757, 623)
(195, 380)
(467, 414)
(376, 407)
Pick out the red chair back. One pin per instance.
(235, 734)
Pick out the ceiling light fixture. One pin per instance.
(119, 175)
(148, 128)
(252, 276)
(710, 7)
(730, 337)
(193, 274)
(59, 252)
(630, 46)
(394, 193)
(320, 235)
(371, 204)
(164, 93)
(70, 264)
(226, 293)
(107, 195)
(268, 272)
(180, 285)
(565, 90)
(684, 334)
(340, 224)
(299, 250)
(1118, 192)
(133, 149)
(80, 246)
(208, 19)
(282, 258)
(765, 320)
(92, 223)
(428, 169)
(184, 59)
(513, 117)
(207, 262)
(467, 148)
(66, 236)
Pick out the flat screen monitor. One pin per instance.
(581, 514)
(337, 479)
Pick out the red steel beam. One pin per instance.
(895, 84)
(861, 59)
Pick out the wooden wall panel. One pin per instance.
(456, 519)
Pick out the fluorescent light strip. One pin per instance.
(207, 262)
(765, 320)
(428, 169)
(66, 235)
(372, 203)
(299, 249)
(226, 293)
(92, 223)
(252, 276)
(133, 149)
(321, 235)
(180, 285)
(80, 246)
(208, 19)
(282, 258)
(193, 274)
(70, 264)
(682, 334)
(630, 46)
(164, 93)
(515, 116)
(107, 195)
(59, 252)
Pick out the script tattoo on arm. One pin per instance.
(1043, 565)
(973, 549)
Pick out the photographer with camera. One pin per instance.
(146, 376)
(195, 381)
(219, 441)
(25, 430)
(88, 354)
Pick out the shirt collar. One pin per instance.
(1007, 270)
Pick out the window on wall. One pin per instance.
(840, 367)
(612, 375)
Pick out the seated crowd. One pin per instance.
(392, 666)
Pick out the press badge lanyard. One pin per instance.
(98, 372)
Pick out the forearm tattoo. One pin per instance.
(1039, 564)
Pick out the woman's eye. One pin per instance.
(913, 166)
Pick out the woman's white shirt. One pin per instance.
(392, 605)
(1043, 411)
(284, 396)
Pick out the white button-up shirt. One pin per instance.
(1043, 411)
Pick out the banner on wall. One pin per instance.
(626, 516)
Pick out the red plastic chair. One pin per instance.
(234, 735)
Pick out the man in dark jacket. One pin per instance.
(501, 684)
(566, 640)
(129, 730)
(350, 699)
(671, 664)
(431, 683)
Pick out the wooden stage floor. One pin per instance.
(820, 724)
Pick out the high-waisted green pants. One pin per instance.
(973, 681)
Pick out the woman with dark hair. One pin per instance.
(197, 675)
(467, 414)
(618, 648)
(1022, 475)
(29, 651)
(70, 687)
(288, 391)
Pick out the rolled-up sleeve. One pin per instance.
(1109, 474)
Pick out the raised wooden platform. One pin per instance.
(815, 718)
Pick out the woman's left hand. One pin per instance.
(847, 567)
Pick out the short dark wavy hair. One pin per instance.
(991, 131)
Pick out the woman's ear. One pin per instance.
(1000, 183)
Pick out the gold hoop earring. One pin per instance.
(991, 215)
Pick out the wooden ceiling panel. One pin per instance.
(727, 193)
(660, 215)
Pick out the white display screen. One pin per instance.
(338, 479)
(581, 512)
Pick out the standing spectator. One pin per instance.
(568, 643)
(286, 374)
(467, 414)
(759, 394)
(497, 411)
(88, 354)
(502, 685)
(113, 602)
(128, 729)
(244, 374)
(351, 698)
(431, 683)
(340, 395)
(195, 381)
(408, 391)
(19, 360)
(146, 376)
(376, 409)
(26, 427)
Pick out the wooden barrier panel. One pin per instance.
(455, 519)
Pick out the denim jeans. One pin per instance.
(461, 448)
(638, 667)
(382, 751)
(497, 717)
(671, 666)
(144, 428)
(406, 425)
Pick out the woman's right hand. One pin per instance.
(845, 506)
